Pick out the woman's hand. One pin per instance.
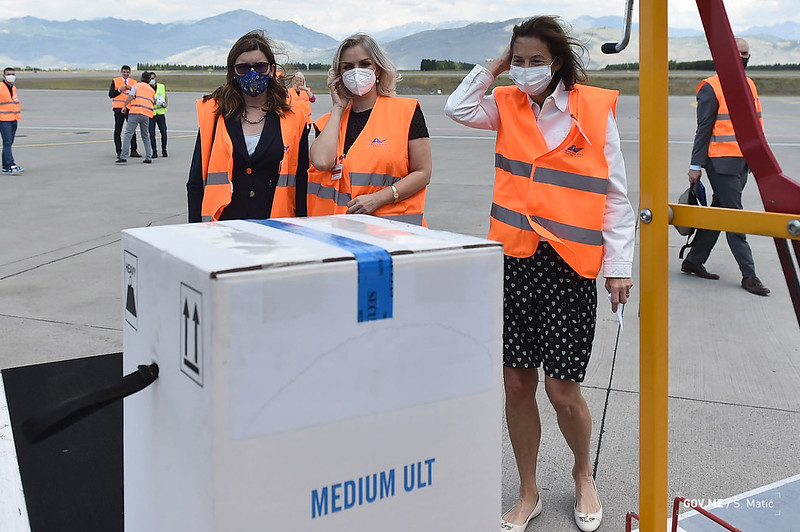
(620, 290)
(367, 203)
(501, 63)
(337, 96)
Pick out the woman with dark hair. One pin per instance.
(251, 156)
(560, 207)
(373, 154)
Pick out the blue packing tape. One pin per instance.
(375, 269)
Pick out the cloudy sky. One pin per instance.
(342, 17)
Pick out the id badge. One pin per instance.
(336, 171)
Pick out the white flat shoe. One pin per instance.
(588, 522)
(506, 526)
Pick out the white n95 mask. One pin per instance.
(10, 78)
(359, 80)
(531, 80)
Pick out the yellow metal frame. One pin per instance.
(653, 260)
(751, 222)
(657, 214)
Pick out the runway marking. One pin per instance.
(104, 141)
(194, 133)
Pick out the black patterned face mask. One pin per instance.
(253, 83)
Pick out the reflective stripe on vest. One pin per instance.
(561, 230)
(328, 193)
(217, 162)
(10, 108)
(118, 102)
(558, 194)
(415, 219)
(144, 100)
(723, 138)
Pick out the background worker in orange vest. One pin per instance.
(10, 114)
(300, 94)
(118, 92)
(373, 142)
(251, 157)
(561, 210)
(716, 150)
(139, 106)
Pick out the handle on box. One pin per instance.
(70, 410)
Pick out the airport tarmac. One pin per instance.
(734, 357)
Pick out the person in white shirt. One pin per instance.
(561, 209)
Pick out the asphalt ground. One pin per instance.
(734, 357)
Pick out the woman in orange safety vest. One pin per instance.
(251, 157)
(302, 96)
(561, 211)
(373, 155)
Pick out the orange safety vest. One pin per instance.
(723, 138)
(557, 194)
(325, 195)
(118, 102)
(301, 100)
(144, 100)
(10, 108)
(217, 162)
(377, 159)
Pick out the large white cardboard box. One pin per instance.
(336, 374)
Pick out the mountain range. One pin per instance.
(107, 43)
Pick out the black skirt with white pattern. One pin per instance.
(549, 315)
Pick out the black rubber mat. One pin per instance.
(72, 478)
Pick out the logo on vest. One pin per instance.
(377, 142)
(573, 150)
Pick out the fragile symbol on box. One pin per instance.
(130, 292)
(191, 333)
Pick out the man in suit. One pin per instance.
(716, 150)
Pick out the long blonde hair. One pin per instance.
(388, 75)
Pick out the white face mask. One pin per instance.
(10, 78)
(359, 80)
(531, 80)
(153, 82)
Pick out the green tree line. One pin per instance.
(171, 66)
(435, 64)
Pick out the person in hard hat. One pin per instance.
(118, 92)
(159, 116)
(251, 157)
(561, 210)
(10, 115)
(717, 150)
(369, 132)
(139, 106)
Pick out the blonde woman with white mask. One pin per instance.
(372, 152)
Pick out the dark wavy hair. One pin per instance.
(229, 96)
(550, 30)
